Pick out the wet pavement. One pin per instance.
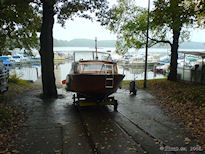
(139, 126)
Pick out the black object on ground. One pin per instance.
(133, 89)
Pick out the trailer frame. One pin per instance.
(82, 101)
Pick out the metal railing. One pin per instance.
(4, 74)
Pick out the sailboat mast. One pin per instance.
(96, 48)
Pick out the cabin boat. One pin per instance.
(7, 61)
(36, 59)
(95, 77)
(59, 57)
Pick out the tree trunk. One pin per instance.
(46, 51)
(174, 56)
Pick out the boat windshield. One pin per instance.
(97, 67)
(91, 55)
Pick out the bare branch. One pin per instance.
(152, 45)
(160, 41)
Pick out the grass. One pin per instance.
(11, 116)
(16, 87)
(178, 91)
(140, 83)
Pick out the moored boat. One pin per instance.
(7, 60)
(59, 57)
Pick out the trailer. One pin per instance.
(81, 101)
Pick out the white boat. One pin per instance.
(20, 59)
(36, 59)
(139, 60)
(16, 59)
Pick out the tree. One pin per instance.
(20, 29)
(64, 9)
(169, 17)
(175, 16)
(46, 50)
(19, 24)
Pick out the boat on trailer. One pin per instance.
(94, 79)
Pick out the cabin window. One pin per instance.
(108, 67)
(98, 67)
(91, 67)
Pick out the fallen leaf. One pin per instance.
(79, 144)
(57, 151)
(15, 151)
(102, 148)
(187, 140)
(132, 149)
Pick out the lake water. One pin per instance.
(159, 51)
(33, 71)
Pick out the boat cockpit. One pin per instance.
(94, 67)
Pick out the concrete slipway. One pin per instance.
(139, 126)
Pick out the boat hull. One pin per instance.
(96, 86)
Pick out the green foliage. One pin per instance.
(172, 14)
(129, 21)
(140, 83)
(81, 8)
(168, 20)
(199, 9)
(19, 24)
(121, 47)
(21, 20)
(15, 79)
(16, 86)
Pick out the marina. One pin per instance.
(33, 72)
(131, 64)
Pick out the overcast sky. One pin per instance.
(83, 28)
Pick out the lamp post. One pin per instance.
(96, 48)
(146, 50)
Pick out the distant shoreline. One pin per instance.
(111, 43)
